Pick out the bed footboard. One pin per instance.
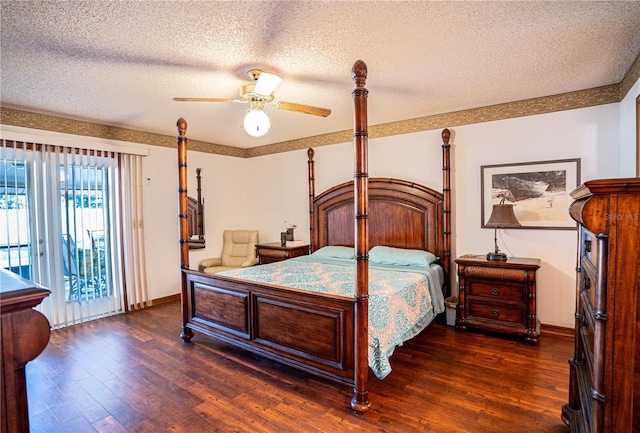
(309, 331)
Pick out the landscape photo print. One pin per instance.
(539, 191)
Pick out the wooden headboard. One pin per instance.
(401, 214)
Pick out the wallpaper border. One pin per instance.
(529, 107)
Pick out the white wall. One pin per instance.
(161, 221)
(224, 190)
(628, 152)
(278, 191)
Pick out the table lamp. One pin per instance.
(501, 216)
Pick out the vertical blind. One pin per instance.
(133, 262)
(73, 223)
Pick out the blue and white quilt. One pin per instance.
(403, 300)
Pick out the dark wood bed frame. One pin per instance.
(321, 334)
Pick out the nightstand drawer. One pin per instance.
(275, 252)
(499, 312)
(498, 290)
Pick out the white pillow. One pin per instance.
(400, 256)
(334, 252)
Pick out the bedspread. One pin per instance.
(402, 300)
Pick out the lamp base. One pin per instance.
(497, 256)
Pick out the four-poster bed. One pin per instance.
(316, 330)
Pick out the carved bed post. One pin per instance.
(200, 216)
(312, 195)
(360, 402)
(181, 125)
(446, 193)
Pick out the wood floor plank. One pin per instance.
(117, 408)
(109, 425)
(132, 373)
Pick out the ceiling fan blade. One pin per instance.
(307, 109)
(206, 100)
(266, 84)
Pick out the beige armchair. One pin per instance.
(238, 251)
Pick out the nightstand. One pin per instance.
(498, 296)
(275, 252)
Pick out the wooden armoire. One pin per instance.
(604, 387)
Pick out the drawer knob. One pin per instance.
(495, 313)
(495, 291)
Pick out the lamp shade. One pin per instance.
(266, 84)
(502, 216)
(256, 122)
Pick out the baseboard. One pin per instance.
(557, 330)
(164, 300)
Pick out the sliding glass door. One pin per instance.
(57, 220)
(14, 223)
(85, 233)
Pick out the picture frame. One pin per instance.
(538, 190)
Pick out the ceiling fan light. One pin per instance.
(256, 122)
(266, 84)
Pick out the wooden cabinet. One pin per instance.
(274, 252)
(604, 378)
(25, 334)
(498, 296)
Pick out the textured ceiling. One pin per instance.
(121, 63)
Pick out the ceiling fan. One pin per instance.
(258, 94)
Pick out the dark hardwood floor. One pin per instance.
(132, 373)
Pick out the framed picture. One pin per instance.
(539, 192)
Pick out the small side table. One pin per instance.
(275, 252)
(498, 296)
